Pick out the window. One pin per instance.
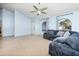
(65, 24)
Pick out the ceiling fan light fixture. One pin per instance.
(38, 12)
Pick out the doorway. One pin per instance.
(44, 27)
(0, 28)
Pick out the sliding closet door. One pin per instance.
(7, 23)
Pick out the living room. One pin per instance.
(27, 29)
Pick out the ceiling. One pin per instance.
(53, 8)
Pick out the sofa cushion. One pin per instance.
(50, 32)
(73, 41)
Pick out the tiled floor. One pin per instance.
(25, 46)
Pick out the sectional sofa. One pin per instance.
(52, 34)
(65, 46)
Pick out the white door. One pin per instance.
(33, 27)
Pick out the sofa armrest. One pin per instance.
(61, 39)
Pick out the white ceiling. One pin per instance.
(53, 8)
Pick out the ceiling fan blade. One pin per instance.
(35, 7)
(32, 11)
(44, 12)
(43, 8)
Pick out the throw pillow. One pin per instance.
(60, 33)
(66, 34)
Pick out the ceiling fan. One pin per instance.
(39, 11)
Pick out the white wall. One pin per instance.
(74, 18)
(19, 24)
(33, 26)
(0, 16)
(52, 23)
(22, 24)
(7, 23)
(38, 26)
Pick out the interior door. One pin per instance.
(33, 28)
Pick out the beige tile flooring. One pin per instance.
(24, 46)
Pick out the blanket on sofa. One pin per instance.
(66, 46)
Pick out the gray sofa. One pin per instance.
(65, 46)
(52, 34)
